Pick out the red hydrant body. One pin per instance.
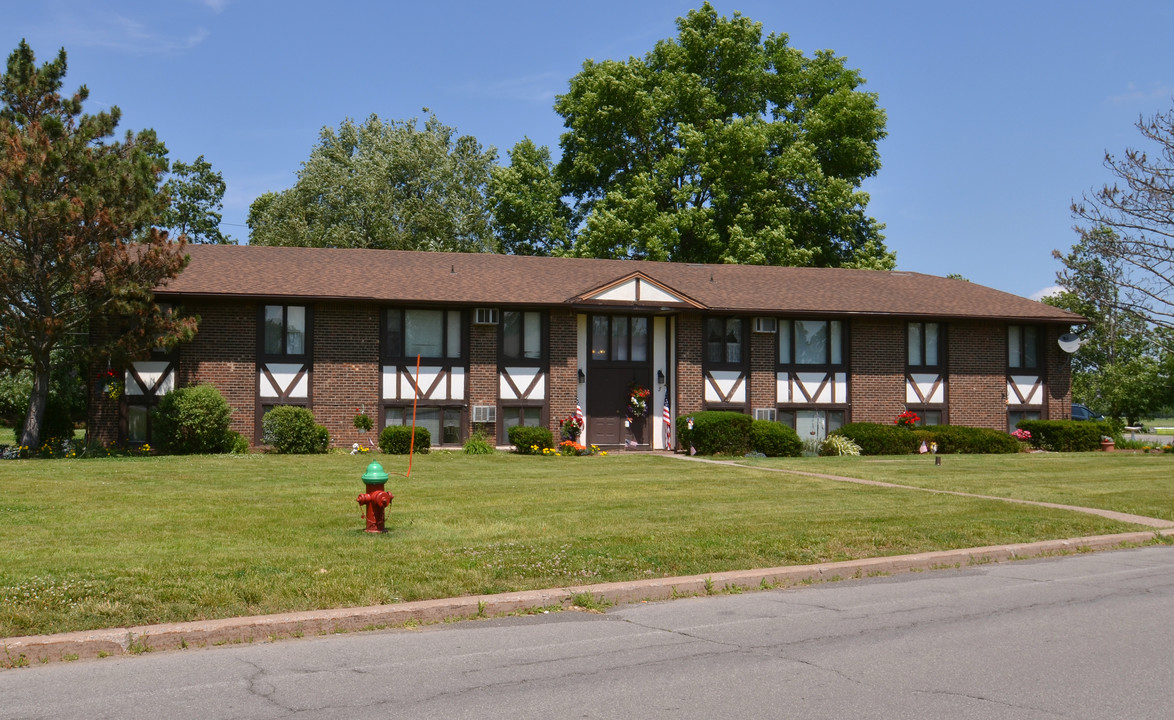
(376, 498)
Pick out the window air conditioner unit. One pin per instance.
(484, 413)
(485, 316)
(764, 414)
(765, 325)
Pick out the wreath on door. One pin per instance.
(637, 401)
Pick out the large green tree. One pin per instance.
(1139, 209)
(384, 184)
(78, 248)
(722, 146)
(529, 216)
(1118, 369)
(197, 197)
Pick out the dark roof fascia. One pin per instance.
(613, 305)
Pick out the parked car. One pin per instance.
(1081, 412)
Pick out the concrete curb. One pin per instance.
(266, 628)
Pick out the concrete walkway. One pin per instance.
(37, 649)
(1110, 514)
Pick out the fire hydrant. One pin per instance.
(376, 498)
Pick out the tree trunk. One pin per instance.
(38, 403)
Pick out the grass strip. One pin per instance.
(125, 541)
(1135, 483)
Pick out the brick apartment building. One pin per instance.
(508, 340)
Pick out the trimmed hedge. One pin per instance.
(194, 421)
(291, 430)
(876, 439)
(397, 440)
(716, 432)
(1066, 435)
(774, 439)
(958, 439)
(530, 439)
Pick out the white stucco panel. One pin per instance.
(727, 382)
(625, 291)
(390, 383)
(523, 378)
(284, 375)
(652, 293)
(783, 387)
(151, 372)
(1029, 388)
(924, 383)
(456, 384)
(428, 376)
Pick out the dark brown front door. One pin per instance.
(620, 357)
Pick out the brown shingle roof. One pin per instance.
(485, 279)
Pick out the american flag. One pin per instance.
(668, 422)
(579, 412)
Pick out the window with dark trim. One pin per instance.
(1023, 347)
(620, 339)
(1014, 416)
(725, 341)
(523, 337)
(811, 342)
(926, 344)
(285, 331)
(442, 422)
(434, 335)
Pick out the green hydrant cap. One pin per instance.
(375, 473)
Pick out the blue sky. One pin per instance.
(999, 113)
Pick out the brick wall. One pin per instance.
(763, 373)
(876, 388)
(564, 367)
(482, 374)
(346, 369)
(690, 388)
(977, 387)
(1058, 368)
(103, 415)
(224, 354)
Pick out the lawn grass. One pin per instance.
(121, 541)
(1137, 483)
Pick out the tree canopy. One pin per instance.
(1118, 368)
(78, 244)
(1139, 210)
(529, 217)
(197, 197)
(721, 146)
(384, 184)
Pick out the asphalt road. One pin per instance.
(1087, 636)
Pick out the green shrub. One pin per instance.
(240, 443)
(478, 444)
(838, 445)
(959, 439)
(1066, 435)
(397, 440)
(194, 421)
(530, 440)
(774, 439)
(716, 432)
(291, 430)
(875, 439)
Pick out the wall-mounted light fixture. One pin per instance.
(582, 377)
(660, 377)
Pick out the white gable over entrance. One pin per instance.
(638, 288)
